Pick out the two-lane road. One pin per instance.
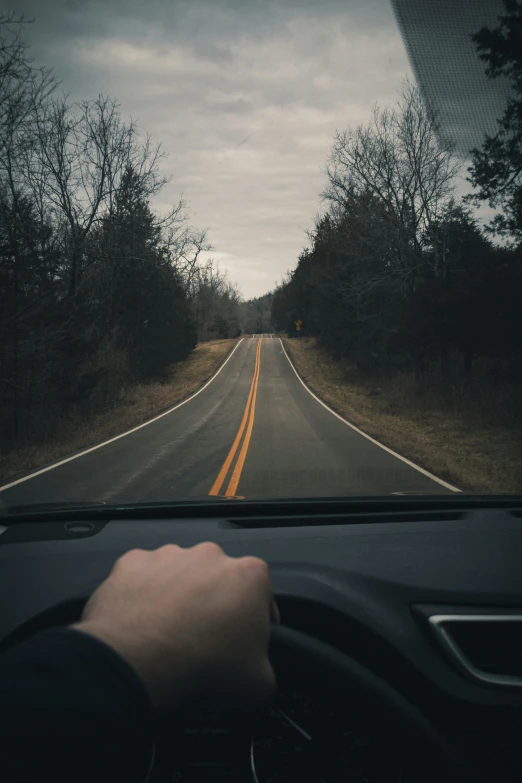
(254, 431)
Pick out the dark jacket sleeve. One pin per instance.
(71, 709)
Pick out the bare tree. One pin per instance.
(397, 160)
(82, 154)
(23, 90)
(184, 245)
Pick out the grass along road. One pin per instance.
(454, 445)
(142, 402)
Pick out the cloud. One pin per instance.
(245, 97)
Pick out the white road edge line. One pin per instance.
(123, 434)
(353, 427)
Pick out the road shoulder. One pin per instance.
(475, 459)
(142, 402)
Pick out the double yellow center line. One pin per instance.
(248, 415)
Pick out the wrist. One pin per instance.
(167, 685)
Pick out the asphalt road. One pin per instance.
(253, 432)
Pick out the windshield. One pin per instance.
(255, 250)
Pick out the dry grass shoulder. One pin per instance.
(474, 456)
(142, 402)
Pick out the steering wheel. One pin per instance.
(295, 656)
(299, 658)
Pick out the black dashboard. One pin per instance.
(425, 594)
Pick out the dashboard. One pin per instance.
(423, 599)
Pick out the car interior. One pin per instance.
(398, 657)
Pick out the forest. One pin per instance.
(399, 274)
(97, 290)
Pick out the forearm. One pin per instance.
(72, 709)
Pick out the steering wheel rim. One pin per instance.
(293, 651)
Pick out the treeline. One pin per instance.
(398, 275)
(96, 289)
(256, 315)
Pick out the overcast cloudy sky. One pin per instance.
(245, 96)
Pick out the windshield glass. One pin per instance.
(255, 249)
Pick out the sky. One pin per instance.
(244, 95)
